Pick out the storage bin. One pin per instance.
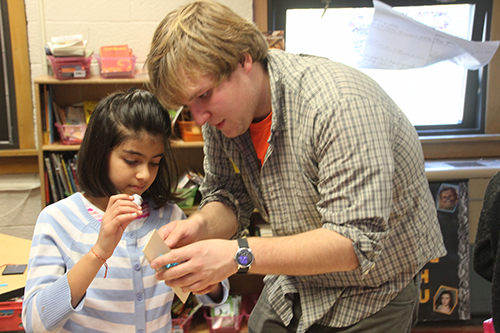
(116, 67)
(190, 131)
(65, 68)
(181, 325)
(231, 324)
(71, 134)
(10, 316)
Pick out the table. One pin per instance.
(13, 250)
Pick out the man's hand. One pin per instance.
(179, 233)
(202, 265)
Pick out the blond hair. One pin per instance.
(201, 39)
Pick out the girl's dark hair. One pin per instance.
(116, 118)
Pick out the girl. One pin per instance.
(87, 271)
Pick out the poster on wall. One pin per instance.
(444, 293)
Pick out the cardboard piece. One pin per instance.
(156, 247)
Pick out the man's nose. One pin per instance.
(200, 116)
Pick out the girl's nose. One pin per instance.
(143, 173)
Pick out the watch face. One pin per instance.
(244, 257)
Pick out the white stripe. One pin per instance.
(157, 301)
(150, 281)
(100, 283)
(157, 323)
(116, 306)
(41, 271)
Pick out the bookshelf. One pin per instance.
(188, 154)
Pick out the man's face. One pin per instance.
(230, 106)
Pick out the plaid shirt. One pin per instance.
(341, 156)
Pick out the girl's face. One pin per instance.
(445, 299)
(134, 164)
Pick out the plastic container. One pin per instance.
(230, 324)
(488, 326)
(10, 316)
(190, 131)
(181, 325)
(67, 68)
(117, 67)
(71, 134)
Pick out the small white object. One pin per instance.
(137, 199)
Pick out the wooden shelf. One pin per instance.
(93, 79)
(57, 146)
(18, 152)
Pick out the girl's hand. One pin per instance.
(120, 212)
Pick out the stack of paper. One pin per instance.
(67, 46)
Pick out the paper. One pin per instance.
(156, 247)
(396, 41)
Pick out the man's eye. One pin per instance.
(205, 95)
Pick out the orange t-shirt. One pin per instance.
(260, 133)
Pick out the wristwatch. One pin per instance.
(244, 256)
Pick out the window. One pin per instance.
(454, 97)
(8, 119)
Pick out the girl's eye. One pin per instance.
(131, 162)
(155, 164)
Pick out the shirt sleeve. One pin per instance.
(207, 301)
(47, 302)
(355, 174)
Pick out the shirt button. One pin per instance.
(137, 266)
(140, 297)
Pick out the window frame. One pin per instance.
(475, 111)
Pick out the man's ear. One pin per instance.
(247, 62)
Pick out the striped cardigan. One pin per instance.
(130, 299)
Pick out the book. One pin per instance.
(52, 181)
(67, 46)
(45, 115)
(69, 187)
(63, 183)
(47, 191)
(50, 114)
(116, 58)
(75, 114)
(88, 108)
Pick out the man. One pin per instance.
(325, 156)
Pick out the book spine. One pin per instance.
(69, 188)
(60, 175)
(52, 181)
